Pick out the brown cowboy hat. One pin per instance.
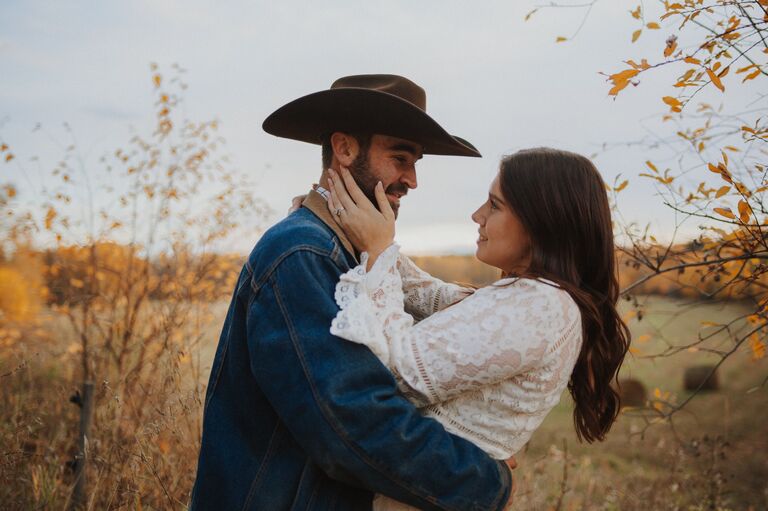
(384, 104)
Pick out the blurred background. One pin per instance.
(135, 178)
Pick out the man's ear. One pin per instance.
(345, 148)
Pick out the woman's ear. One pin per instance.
(345, 148)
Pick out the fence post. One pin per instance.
(80, 495)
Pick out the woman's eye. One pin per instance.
(493, 205)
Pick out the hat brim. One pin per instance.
(316, 115)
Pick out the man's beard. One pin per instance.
(367, 180)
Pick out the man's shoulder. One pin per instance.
(299, 231)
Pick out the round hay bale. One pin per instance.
(699, 378)
(632, 392)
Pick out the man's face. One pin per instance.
(389, 160)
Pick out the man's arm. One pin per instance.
(342, 405)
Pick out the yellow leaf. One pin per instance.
(9, 157)
(621, 80)
(691, 60)
(673, 103)
(709, 323)
(745, 211)
(157, 79)
(751, 76)
(561, 39)
(10, 191)
(652, 166)
(636, 13)
(653, 26)
(670, 48)
(715, 80)
(3, 147)
(643, 338)
(49, 217)
(757, 345)
(722, 191)
(636, 35)
(76, 283)
(621, 186)
(726, 212)
(657, 393)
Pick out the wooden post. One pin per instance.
(80, 495)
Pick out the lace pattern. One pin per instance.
(489, 368)
(425, 294)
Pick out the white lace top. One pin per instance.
(489, 368)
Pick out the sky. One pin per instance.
(490, 76)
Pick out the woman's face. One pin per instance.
(503, 241)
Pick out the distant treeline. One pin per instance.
(73, 275)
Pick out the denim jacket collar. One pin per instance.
(319, 206)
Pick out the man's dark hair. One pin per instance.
(363, 140)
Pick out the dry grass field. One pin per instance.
(712, 457)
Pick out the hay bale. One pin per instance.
(699, 378)
(632, 392)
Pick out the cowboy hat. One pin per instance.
(377, 104)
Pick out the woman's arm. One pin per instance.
(424, 294)
(495, 334)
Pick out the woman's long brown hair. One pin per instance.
(561, 201)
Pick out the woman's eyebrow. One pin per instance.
(496, 198)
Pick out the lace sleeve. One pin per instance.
(425, 294)
(498, 332)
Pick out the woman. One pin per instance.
(490, 364)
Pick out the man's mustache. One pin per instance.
(397, 189)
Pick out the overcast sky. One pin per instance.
(490, 77)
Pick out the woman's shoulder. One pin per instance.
(539, 294)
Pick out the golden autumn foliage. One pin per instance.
(128, 281)
(719, 177)
(18, 301)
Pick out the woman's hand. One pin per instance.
(298, 200)
(512, 464)
(368, 229)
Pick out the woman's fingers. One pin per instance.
(354, 191)
(331, 203)
(384, 206)
(334, 206)
(343, 199)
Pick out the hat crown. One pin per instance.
(391, 84)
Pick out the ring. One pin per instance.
(338, 211)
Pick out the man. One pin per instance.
(296, 418)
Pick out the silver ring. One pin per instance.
(338, 211)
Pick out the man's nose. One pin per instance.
(409, 178)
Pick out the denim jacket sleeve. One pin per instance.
(341, 404)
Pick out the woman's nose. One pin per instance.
(477, 217)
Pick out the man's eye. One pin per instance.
(400, 159)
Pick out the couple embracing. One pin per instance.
(346, 378)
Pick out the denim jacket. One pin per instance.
(296, 418)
